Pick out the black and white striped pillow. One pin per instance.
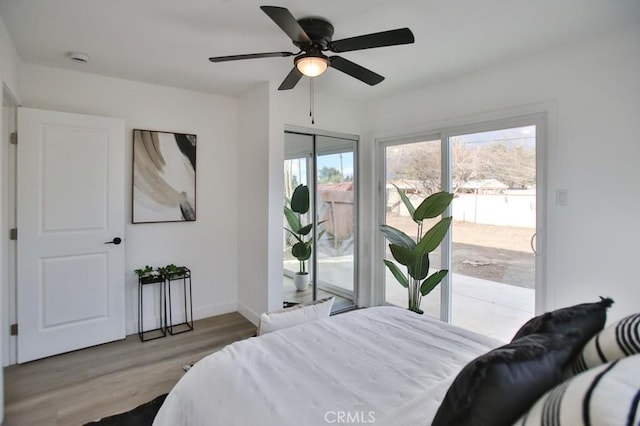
(617, 341)
(608, 395)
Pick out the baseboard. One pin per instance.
(248, 313)
(198, 313)
(213, 310)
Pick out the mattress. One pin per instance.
(382, 365)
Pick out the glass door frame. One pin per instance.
(312, 177)
(347, 145)
(538, 119)
(310, 169)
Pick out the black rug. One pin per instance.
(142, 415)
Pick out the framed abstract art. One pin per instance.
(164, 177)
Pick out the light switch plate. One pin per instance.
(561, 197)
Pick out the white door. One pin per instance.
(70, 205)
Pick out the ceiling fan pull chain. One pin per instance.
(311, 100)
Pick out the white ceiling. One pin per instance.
(168, 42)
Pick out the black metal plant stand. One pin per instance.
(162, 330)
(184, 277)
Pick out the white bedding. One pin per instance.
(383, 365)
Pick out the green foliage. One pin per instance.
(298, 206)
(292, 219)
(300, 200)
(397, 237)
(329, 174)
(415, 254)
(402, 279)
(147, 270)
(149, 273)
(434, 236)
(433, 206)
(171, 270)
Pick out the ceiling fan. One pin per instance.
(313, 37)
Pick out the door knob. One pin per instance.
(115, 241)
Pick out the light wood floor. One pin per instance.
(82, 386)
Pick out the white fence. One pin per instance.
(510, 208)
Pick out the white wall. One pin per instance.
(253, 198)
(9, 63)
(9, 60)
(291, 107)
(264, 113)
(592, 92)
(208, 245)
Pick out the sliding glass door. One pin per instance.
(491, 250)
(327, 165)
(493, 254)
(415, 169)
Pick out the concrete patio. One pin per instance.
(486, 307)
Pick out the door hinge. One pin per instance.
(13, 139)
(13, 234)
(13, 330)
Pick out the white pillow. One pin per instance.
(288, 317)
(604, 396)
(620, 339)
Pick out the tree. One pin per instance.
(511, 163)
(514, 166)
(466, 164)
(329, 174)
(419, 162)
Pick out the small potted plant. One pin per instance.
(172, 271)
(148, 275)
(414, 254)
(301, 249)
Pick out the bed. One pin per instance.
(390, 366)
(382, 365)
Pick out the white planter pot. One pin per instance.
(301, 280)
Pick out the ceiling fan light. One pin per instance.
(312, 66)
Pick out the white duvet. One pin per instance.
(382, 366)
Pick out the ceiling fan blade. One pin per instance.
(368, 41)
(285, 20)
(355, 70)
(291, 79)
(251, 56)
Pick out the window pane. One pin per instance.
(337, 212)
(494, 179)
(298, 164)
(416, 169)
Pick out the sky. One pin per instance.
(343, 162)
(525, 136)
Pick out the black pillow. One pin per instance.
(498, 387)
(589, 318)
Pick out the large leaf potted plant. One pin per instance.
(301, 249)
(414, 254)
